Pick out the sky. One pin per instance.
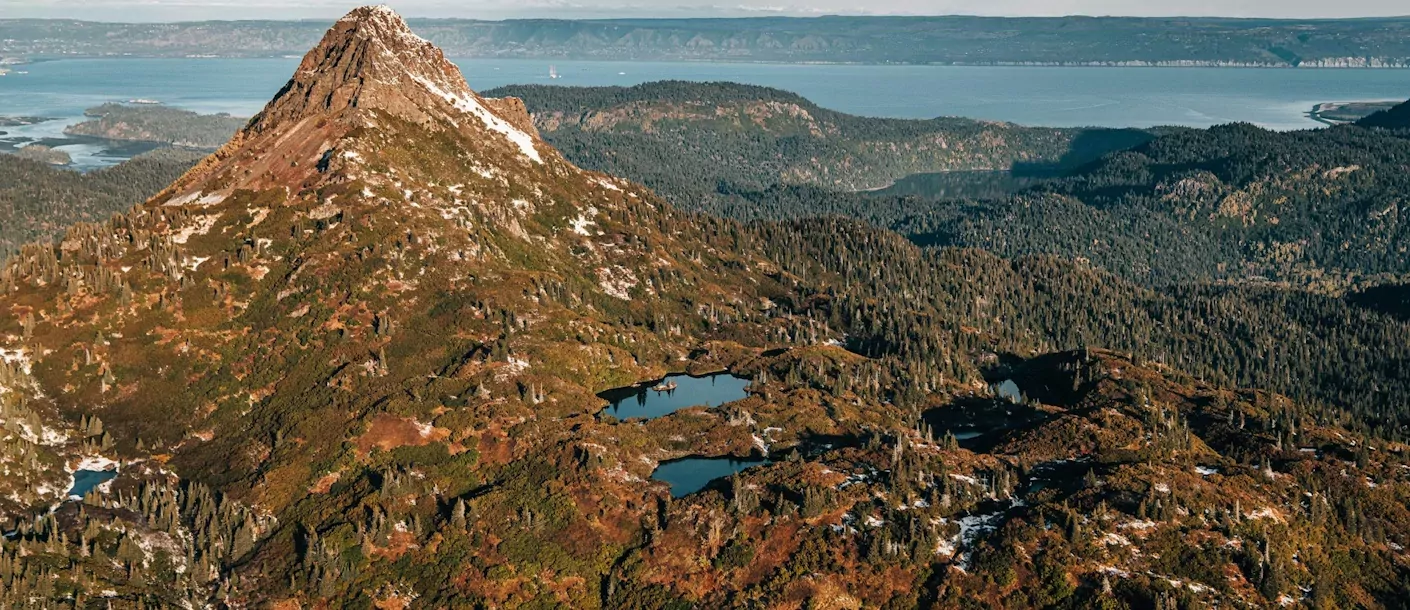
(181, 10)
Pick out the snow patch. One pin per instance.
(1265, 513)
(761, 444)
(1115, 540)
(617, 281)
(467, 104)
(200, 198)
(1118, 572)
(201, 226)
(258, 218)
(583, 221)
(16, 357)
(971, 528)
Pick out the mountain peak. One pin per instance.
(368, 72)
(369, 59)
(377, 16)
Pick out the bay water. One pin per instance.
(1039, 96)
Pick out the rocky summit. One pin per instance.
(361, 357)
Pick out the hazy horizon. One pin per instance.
(194, 10)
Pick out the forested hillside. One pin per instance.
(1317, 209)
(1320, 210)
(1394, 118)
(696, 143)
(37, 202)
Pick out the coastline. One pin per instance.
(1327, 64)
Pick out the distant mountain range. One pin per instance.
(1381, 42)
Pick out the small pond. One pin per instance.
(689, 475)
(660, 398)
(1008, 390)
(86, 480)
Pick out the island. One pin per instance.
(149, 122)
(21, 121)
(44, 154)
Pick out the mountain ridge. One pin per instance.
(722, 137)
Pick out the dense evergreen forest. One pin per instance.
(697, 143)
(1317, 209)
(895, 299)
(1397, 118)
(37, 201)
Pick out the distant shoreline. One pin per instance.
(774, 62)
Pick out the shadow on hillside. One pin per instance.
(1390, 299)
(1090, 145)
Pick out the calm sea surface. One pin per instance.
(1057, 97)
